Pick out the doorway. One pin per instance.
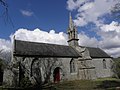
(56, 75)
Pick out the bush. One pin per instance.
(116, 67)
(25, 82)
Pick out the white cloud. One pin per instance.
(113, 26)
(74, 4)
(89, 11)
(80, 21)
(38, 35)
(84, 40)
(26, 13)
(86, 6)
(5, 45)
(115, 52)
(110, 34)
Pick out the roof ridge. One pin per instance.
(26, 48)
(41, 43)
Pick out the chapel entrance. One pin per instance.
(56, 75)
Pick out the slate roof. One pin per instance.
(97, 53)
(25, 48)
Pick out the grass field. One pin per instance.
(99, 84)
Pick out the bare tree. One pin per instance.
(39, 70)
(5, 55)
(5, 14)
(4, 7)
(42, 68)
(48, 65)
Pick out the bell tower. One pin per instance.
(72, 33)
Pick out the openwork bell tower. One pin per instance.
(72, 33)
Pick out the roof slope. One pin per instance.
(25, 48)
(97, 53)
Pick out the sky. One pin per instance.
(47, 21)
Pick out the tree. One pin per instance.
(4, 14)
(5, 55)
(39, 70)
(42, 69)
(4, 7)
(116, 67)
(2, 67)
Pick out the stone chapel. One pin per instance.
(44, 62)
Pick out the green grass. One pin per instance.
(109, 79)
(77, 85)
(99, 84)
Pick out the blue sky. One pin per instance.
(47, 21)
(46, 15)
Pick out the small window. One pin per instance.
(72, 66)
(104, 64)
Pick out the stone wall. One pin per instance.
(100, 70)
(45, 66)
(38, 70)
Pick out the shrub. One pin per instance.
(25, 82)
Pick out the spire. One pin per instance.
(72, 33)
(70, 21)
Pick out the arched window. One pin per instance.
(104, 64)
(72, 66)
